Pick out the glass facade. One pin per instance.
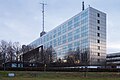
(86, 31)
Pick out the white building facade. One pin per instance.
(85, 31)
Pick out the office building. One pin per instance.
(113, 60)
(84, 32)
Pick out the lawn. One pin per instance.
(32, 75)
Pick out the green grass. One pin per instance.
(32, 75)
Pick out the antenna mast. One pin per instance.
(83, 6)
(43, 32)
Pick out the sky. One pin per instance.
(21, 20)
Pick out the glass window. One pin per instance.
(84, 14)
(54, 42)
(59, 29)
(98, 41)
(76, 44)
(54, 36)
(84, 41)
(70, 23)
(98, 28)
(98, 60)
(77, 31)
(14, 65)
(69, 39)
(64, 39)
(64, 26)
(76, 36)
(84, 34)
(98, 21)
(98, 47)
(98, 34)
(44, 38)
(76, 18)
(50, 37)
(84, 28)
(50, 43)
(83, 21)
(64, 30)
(59, 33)
(98, 15)
(69, 34)
(98, 54)
(47, 37)
(41, 40)
(59, 41)
(70, 27)
(69, 46)
(76, 24)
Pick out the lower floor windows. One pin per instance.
(98, 54)
(98, 41)
(98, 60)
(98, 47)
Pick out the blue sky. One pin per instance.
(20, 20)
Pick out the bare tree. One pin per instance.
(85, 58)
(17, 48)
(3, 46)
(1, 58)
(10, 52)
(77, 55)
(49, 55)
(73, 56)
